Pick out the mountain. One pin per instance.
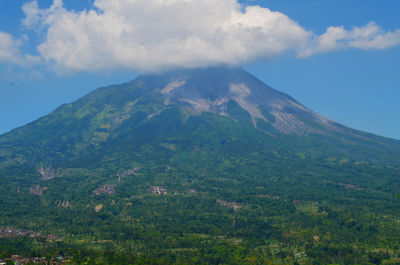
(108, 117)
(164, 163)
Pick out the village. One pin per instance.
(106, 189)
(10, 233)
(14, 233)
(18, 260)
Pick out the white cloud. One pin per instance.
(149, 35)
(10, 51)
(374, 37)
(369, 37)
(153, 34)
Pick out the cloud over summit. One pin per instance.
(153, 34)
(150, 35)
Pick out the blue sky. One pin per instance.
(354, 80)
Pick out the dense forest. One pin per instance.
(264, 207)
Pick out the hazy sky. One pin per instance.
(340, 58)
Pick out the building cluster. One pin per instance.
(18, 260)
(54, 238)
(158, 190)
(106, 189)
(11, 232)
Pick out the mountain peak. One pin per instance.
(215, 89)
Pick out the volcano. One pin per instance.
(131, 114)
(201, 153)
